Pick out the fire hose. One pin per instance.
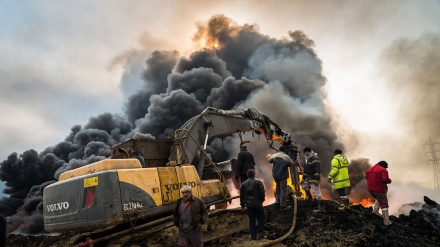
(275, 241)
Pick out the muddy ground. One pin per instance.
(354, 227)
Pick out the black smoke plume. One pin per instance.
(238, 68)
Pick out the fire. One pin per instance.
(289, 183)
(366, 202)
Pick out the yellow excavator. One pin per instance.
(142, 179)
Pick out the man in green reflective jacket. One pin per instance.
(340, 177)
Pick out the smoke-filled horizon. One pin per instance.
(240, 67)
(280, 77)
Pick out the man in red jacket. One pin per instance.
(377, 180)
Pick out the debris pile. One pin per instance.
(354, 227)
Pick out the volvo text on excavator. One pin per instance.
(146, 184)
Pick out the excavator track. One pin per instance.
(220, 224)
(162, 232)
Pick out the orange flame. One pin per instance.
(366, 202)
(289, 182)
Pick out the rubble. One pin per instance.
(354, 227)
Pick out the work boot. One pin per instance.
(261, 236)
(376, 208)
(386, 217)
(345, 204)
(286, 208)
(341, 206)
(308, 195)
(321, 207)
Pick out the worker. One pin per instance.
(340, 178)
(245, 161)
(137, 154)
(189, 214)
(252, 196)
(2, 231)
(281, 163)
(377, 180)
(312, 177)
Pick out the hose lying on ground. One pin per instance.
(275, 241)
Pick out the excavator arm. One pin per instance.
(192, 138)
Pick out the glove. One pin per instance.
(329, 180)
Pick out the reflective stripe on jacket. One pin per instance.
(339, 172)
(312, 168)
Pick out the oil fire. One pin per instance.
(366, 202)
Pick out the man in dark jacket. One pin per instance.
(281, 163)
(189, 214)
(252, 196)
(312, 177)
(245, 161)
(377, 180)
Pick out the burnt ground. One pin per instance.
(354, 227)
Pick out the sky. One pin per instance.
(65, 62)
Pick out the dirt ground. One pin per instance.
(354, 227)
